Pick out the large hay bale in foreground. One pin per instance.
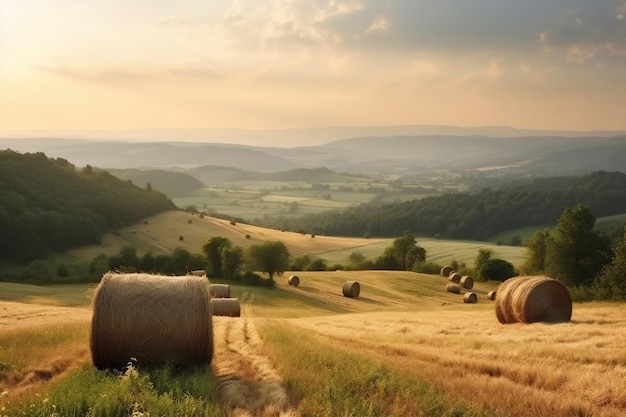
(453, 288)
(454, 277)
(491, 295)
(151, 318)
(467, 282)
(351, 289)
(226, 307)
(470, 298)
(533, 299)
(219, 290)
(445, 271)
(293, 280)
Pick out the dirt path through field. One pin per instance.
(249, 382)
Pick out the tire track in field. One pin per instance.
(249, 384)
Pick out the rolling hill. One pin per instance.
(161, 233)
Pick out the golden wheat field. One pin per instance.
(404, 321)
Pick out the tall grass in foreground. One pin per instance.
(166, 391)
(327, 382)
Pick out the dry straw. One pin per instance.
(533, 299)
(226, 307)
(293, 280)
(453, 288)
(152, 319)
(470, 298)
(351, 289)
(491, 295)
(220, 290)
(445, 271)
(454, 277)
(467, 282)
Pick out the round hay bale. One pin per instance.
(351, 289)
(453, 288)
(491, 295)
(226, 307)
(151, 318)
(533, 299)
(470, 298)
(219, 290)
(445, 271)
(466, 282)
(454, 277)
(504, 311)
(294, 280)
(198, 273)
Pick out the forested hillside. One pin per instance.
(49, 205)
(477, 215)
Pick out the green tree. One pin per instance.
(299, 263)
(317, 264)
(575, 252)
(358, 261)
(611, 283)
(535, 262)
(270, 257)
(483, 257)
(212, 251)
(406, 251)
(497, 270)
(232, 260)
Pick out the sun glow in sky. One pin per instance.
(112, 64)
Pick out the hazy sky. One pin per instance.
(120, 64)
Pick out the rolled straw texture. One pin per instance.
(470, 298)
(226, 307)
(445, 271)
(351, 289)
(453, 288)
(467, 282)
(152, 319)
(454, 277)
(534, 299)
(293, 280)
(219, 290)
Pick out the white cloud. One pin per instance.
(380, 24)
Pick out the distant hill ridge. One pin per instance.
(367, 154)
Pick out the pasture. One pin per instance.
(404, 347)
(161, 234)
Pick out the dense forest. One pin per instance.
(475, 216)
(50, 205)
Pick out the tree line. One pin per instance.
(473, 216)
(49, 205)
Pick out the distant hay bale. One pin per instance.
(226, 307)
(453, 288)
(351, 289)
(470, 298)
(445, 271)
(467, 282)
(491, 295)
(293, 280)
(219, 290)
(454, 277)
(198, 273)
(533, 299)
(151, 318)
